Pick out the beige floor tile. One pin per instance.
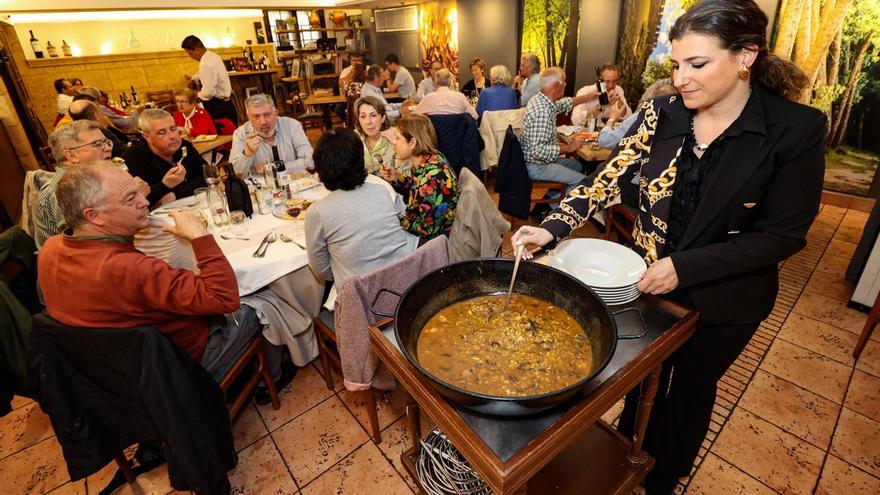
(363, 471)
(842, 249)
(717, 477)
(22, 428)
(840, 478)
(835, 265)
(830, 285)
(812, 371)
(778, 459)
(792, 408)
(70, 488)
(857, 441)
(308, 389)
(819, 337)
(830, 311)
(37, 469)
(260, 470)
(248, 428)
(155, 481)
(337, 378)
(395, 440)
(863, 395)
(390, 406)
(869, 361)
(313, 442)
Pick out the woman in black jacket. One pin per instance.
(729, 178)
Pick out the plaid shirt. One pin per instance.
(539, 143)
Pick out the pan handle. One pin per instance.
(376, 299)
(641, 317)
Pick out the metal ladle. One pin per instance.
(519, 252)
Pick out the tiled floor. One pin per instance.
(794, 415)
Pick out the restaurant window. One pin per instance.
(307, 36)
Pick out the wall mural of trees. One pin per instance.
(438, 34)
(835, 42)
(550, 30)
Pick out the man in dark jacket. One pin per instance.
(170, 165)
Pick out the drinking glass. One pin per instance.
(201, 196)
(218, 207)
(212, 175)
(237, 225)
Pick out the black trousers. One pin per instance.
(683, 406)
(219, 109)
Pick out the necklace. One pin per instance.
(701, 147)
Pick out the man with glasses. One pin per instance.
(72, 144)
(267, 138)
(616, 100)
(169, 164)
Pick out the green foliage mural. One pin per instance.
(550, 30)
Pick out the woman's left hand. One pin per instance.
(660, 278)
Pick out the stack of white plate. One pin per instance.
(611, 270)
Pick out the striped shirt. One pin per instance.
(47, 218)
(539, 144)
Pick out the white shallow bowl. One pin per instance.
(599, 263)
(614, 302)
(616, 292)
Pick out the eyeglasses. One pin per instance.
(99, 144)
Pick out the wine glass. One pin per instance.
(212, 175)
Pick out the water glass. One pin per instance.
(201, 196)
(237, 223)
(212, 175)
(218, 207)
(265, 201)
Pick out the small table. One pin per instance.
(592, 152)
(205, 146)
(567, 448)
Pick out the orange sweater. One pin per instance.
(110, 284)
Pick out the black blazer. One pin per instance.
(759, 205)
(143, 163)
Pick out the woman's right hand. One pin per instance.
(387, 173)
(530, 235)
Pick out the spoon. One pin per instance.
(270, 238)
(285, 238)
(519, 252)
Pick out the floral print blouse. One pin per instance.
(431, 195)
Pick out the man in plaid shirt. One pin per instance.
(539, 145)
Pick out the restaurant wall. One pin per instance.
(597, 42)
(152, 35)
(487, 29)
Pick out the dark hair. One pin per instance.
(75, 80)
(339, 159)
(191, 43)
(358, 72)
(373, 72)
(740, 24)
(391, 58)
(59, 85)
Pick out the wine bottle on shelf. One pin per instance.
(53, 52)
(265, 61)
(237, 195)
(244, 53)
(65, 49)
(600, 85)
(35, 44)
(134, 97)
(251, 58)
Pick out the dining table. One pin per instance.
(564, 449)
(205, 145)
(327, 101)
(279, 285)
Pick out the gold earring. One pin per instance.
(744, 72)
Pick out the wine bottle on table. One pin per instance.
(35, 44)
(134, 97)
(237, 195)
(600, 85)
(282, 177)
(53, 52)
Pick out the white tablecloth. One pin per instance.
(281, 257)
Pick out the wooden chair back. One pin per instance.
(47, 159)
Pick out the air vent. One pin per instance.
(397, 19)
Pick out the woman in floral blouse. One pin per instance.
(431, 191)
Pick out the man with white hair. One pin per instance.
(526, 82)
(540, 147)
(443, 100)
(169, 164)
(72, 144)
(267, 138)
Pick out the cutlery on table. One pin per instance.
(285, 238)
(262, 243)
(270, 238)
(229, 238)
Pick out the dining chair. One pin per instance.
(251, 355)
(329, 354)
(309, 120)
(47, 159)
(619, 220)
(868, 329)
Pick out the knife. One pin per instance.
(262, 243)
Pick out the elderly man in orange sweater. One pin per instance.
(92, 275)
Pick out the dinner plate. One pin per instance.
(304, 183)
(599, 263)
(613, 292)
(622, 301)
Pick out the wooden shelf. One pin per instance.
(324, 76)
(292, 79)
(305, 53)
(318, 30)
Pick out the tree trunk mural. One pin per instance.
(838, 127)
(641, 24)
(550, 30)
